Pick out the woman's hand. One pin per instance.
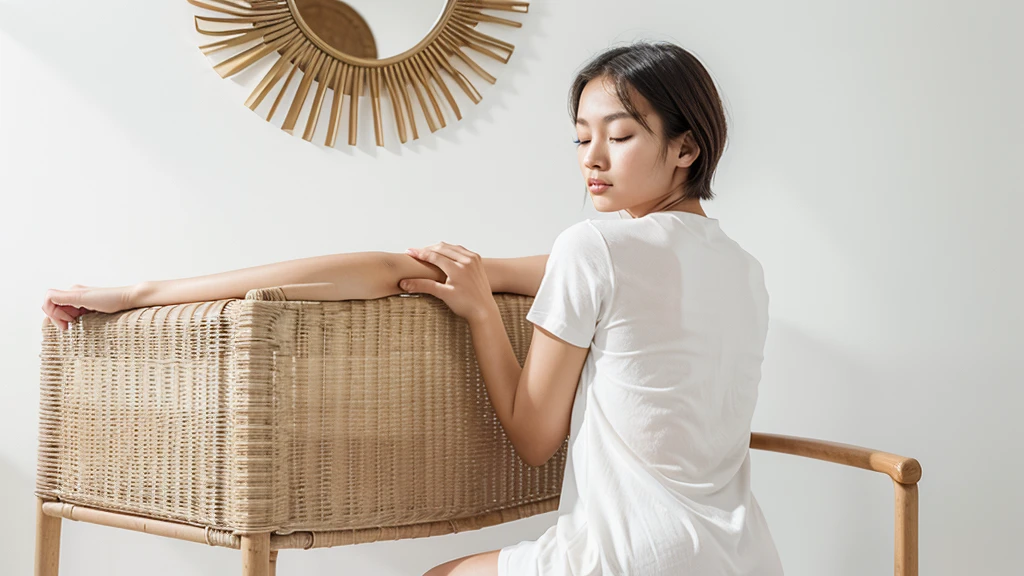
(466, 290)
(63, 306)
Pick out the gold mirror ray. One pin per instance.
(278, 26)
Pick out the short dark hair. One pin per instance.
(680, 91)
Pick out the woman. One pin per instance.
(648, 343)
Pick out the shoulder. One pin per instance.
(613, 239)
(611, 235)
(582, 246)
(584, 235)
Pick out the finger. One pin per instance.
(73, 311)
(50, 310)
(57, 322)
(441, 245)
(454, 254)
(55, 310)
(469, 254)
(60, 314)
(441, 261)
(420, 285)
(65, 297)
(456, 247)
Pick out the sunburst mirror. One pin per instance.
(412, 43)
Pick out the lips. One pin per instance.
(597, 186)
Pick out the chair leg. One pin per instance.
(906, 545)
(47, 542)
(256, 554)
(273, 563)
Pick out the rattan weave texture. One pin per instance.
(260, 414)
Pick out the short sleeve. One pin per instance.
(577, 285)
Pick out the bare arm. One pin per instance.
(346, 276)
(516, 275)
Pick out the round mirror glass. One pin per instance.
(371, 29)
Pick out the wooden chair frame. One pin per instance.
(259, 551)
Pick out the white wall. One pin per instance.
(393, 35)
(873, 168)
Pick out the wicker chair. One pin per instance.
(262, 424)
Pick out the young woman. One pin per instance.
(647, 348)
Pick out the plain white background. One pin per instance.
(873, 167)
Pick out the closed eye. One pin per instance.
(623, 139)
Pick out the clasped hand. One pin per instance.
(63, 306)
(466, 290)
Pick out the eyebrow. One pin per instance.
(606, 119)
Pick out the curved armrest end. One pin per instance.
(900, 468)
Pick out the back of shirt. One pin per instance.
(657, 479)
(687, 323)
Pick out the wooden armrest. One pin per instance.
(905, 473)
(900, 468)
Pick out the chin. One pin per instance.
(603, 205)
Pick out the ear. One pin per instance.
(685, 150)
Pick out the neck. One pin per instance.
(691, 205)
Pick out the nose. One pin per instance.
(595, 156)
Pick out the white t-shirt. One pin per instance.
(657, 478)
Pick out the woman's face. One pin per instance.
(615, 148)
